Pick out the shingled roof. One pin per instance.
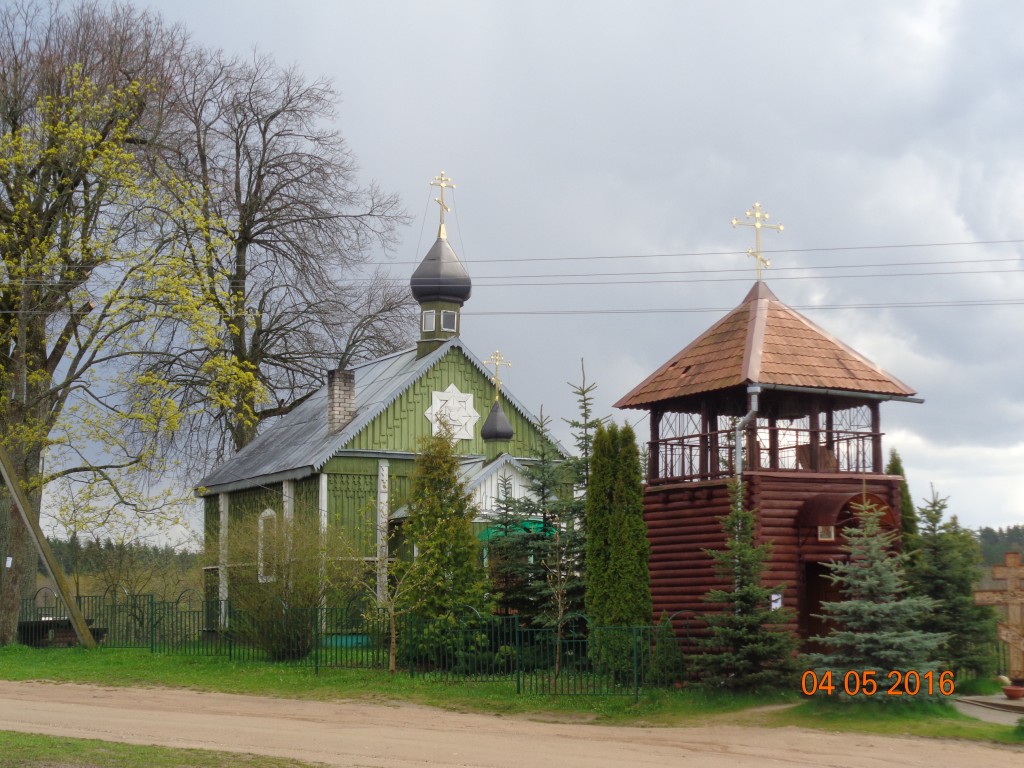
(763, 341)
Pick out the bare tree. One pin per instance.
(280, 245)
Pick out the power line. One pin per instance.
(560, 283)
(746, 270)
(719, 310)
(688, 254)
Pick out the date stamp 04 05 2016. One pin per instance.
(868, 682)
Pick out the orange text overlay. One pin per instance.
(871, 682)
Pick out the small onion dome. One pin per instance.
(441, 276)
(497, 426)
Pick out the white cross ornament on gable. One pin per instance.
(455, 409)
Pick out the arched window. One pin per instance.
(266, 568)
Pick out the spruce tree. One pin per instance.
(946, 566)
(875, 625)
(618, 590)
(747, 647)
(448, 579)
(598, 517)
(584, 427)
(573, 512)
(908, 515)
(630, 552)
(556, 548)
(511, 564)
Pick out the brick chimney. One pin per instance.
(341, 398)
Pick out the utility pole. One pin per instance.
(20, 500)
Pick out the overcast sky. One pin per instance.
(588, 138)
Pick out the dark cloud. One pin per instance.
(585, 129)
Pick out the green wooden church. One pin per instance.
(344, 457)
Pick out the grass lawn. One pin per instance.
(25, 750)
(657, 707)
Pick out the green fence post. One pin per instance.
(636, 666)
(152, 625)
(519, 657)
(408, 645)
(316, 639)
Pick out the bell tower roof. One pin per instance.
(762, 341)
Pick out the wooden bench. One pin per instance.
(53, 633)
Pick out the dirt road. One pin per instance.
(350, 733)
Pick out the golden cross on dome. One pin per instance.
(444, 183)
(497, 360)
(760, 219)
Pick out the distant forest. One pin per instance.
(93, 556)
(133, 568)
(996, 542)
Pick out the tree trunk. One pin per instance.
(17, 581)
(393, 648)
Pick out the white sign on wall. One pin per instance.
(455, 409)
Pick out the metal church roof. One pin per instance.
(441, 276)
(299, 444)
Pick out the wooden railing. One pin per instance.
(712, 455)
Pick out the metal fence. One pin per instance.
(576, 659)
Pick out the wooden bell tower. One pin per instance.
(766, 395)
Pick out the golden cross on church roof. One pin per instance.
(497, 360)
(759, 222)
(444, 183)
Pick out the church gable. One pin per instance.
(456, 388)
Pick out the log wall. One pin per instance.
(684, 519)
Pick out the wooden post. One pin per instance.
(716, 465)
(877, 465)
(654, 451)
(20, 500)
(814, 422)
(773, 442)
(830, 426)
(1011, 631)
(704, 443)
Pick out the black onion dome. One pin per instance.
(497, 426)
(441, 276)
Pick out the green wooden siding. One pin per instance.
(247, 504)
(211, 523)
(403, 426)
(307, 499)
(352, 506)
(352, 480)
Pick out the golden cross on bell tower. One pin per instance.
(497, 360)
(760, 219)
(444, 183)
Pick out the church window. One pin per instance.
(428, 320)
(448, 320)
(267, 528)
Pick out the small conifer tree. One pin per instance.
(510, 555)
(875, 625)
(618, 590)
(573, 528)
(946, 566)
(448, 579)
(908, 515)
(747, 647)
